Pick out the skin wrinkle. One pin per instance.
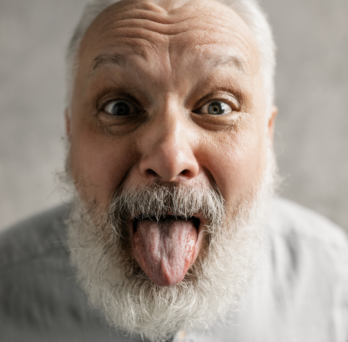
(120, 60)
(133, 8)
(153, 38)
(168, 17)
(169, 140)
(132, 24)
(161, 29)
(137, 34)
(169, 158)
(200, 81)
(169, 5)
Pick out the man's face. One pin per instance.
(170, 155)
(168, 95)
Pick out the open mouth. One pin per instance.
(165, 219)
(165, 247)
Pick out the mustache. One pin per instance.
(157, 201)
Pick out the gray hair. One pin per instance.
(248, 10)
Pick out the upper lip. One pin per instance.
(198, 220)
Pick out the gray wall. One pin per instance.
(312, 96)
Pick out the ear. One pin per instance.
(271, 123)
(67, 122)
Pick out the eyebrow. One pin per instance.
(228, 59)
(120, 60)
(115, 59)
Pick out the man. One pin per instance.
(172, 233)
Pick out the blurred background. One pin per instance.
(311, 93)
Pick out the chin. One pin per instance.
(102, 251)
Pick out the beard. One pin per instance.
(101, 251)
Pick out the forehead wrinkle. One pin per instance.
(158, 26)
(145, 29)
(123, 60)
(141, 39)
(170, 26)
(125, 9)
(121, 12)
(170, 23)
(173, 34)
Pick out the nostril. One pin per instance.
(184, 172)
(151, 172)
(135, 225)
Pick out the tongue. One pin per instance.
(165, 250)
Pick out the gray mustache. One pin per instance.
(158, 201)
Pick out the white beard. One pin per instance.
(213, 287)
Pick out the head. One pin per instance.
(170, 126)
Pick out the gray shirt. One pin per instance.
(300, 292)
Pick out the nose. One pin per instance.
(167, 150)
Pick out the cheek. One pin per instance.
(237, 163)
(99, 164)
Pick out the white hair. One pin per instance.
(248, 10)
(211, 290)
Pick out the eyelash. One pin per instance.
(234, 106)
(101, 106)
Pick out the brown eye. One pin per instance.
(215, 108)
(120, 108)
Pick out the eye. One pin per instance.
(215, 108)
(120, 108)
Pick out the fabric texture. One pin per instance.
(299, 293)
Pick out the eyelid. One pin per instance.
(229, 99)
(235, 106)
(206, 107)
(118, 100)
(106, 100)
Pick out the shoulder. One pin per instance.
(292, 220)
(35, 237)
(308, 273)
(40, 299)
(307, 248)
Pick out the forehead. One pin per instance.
(197, 31)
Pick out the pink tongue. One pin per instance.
(165, 249)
